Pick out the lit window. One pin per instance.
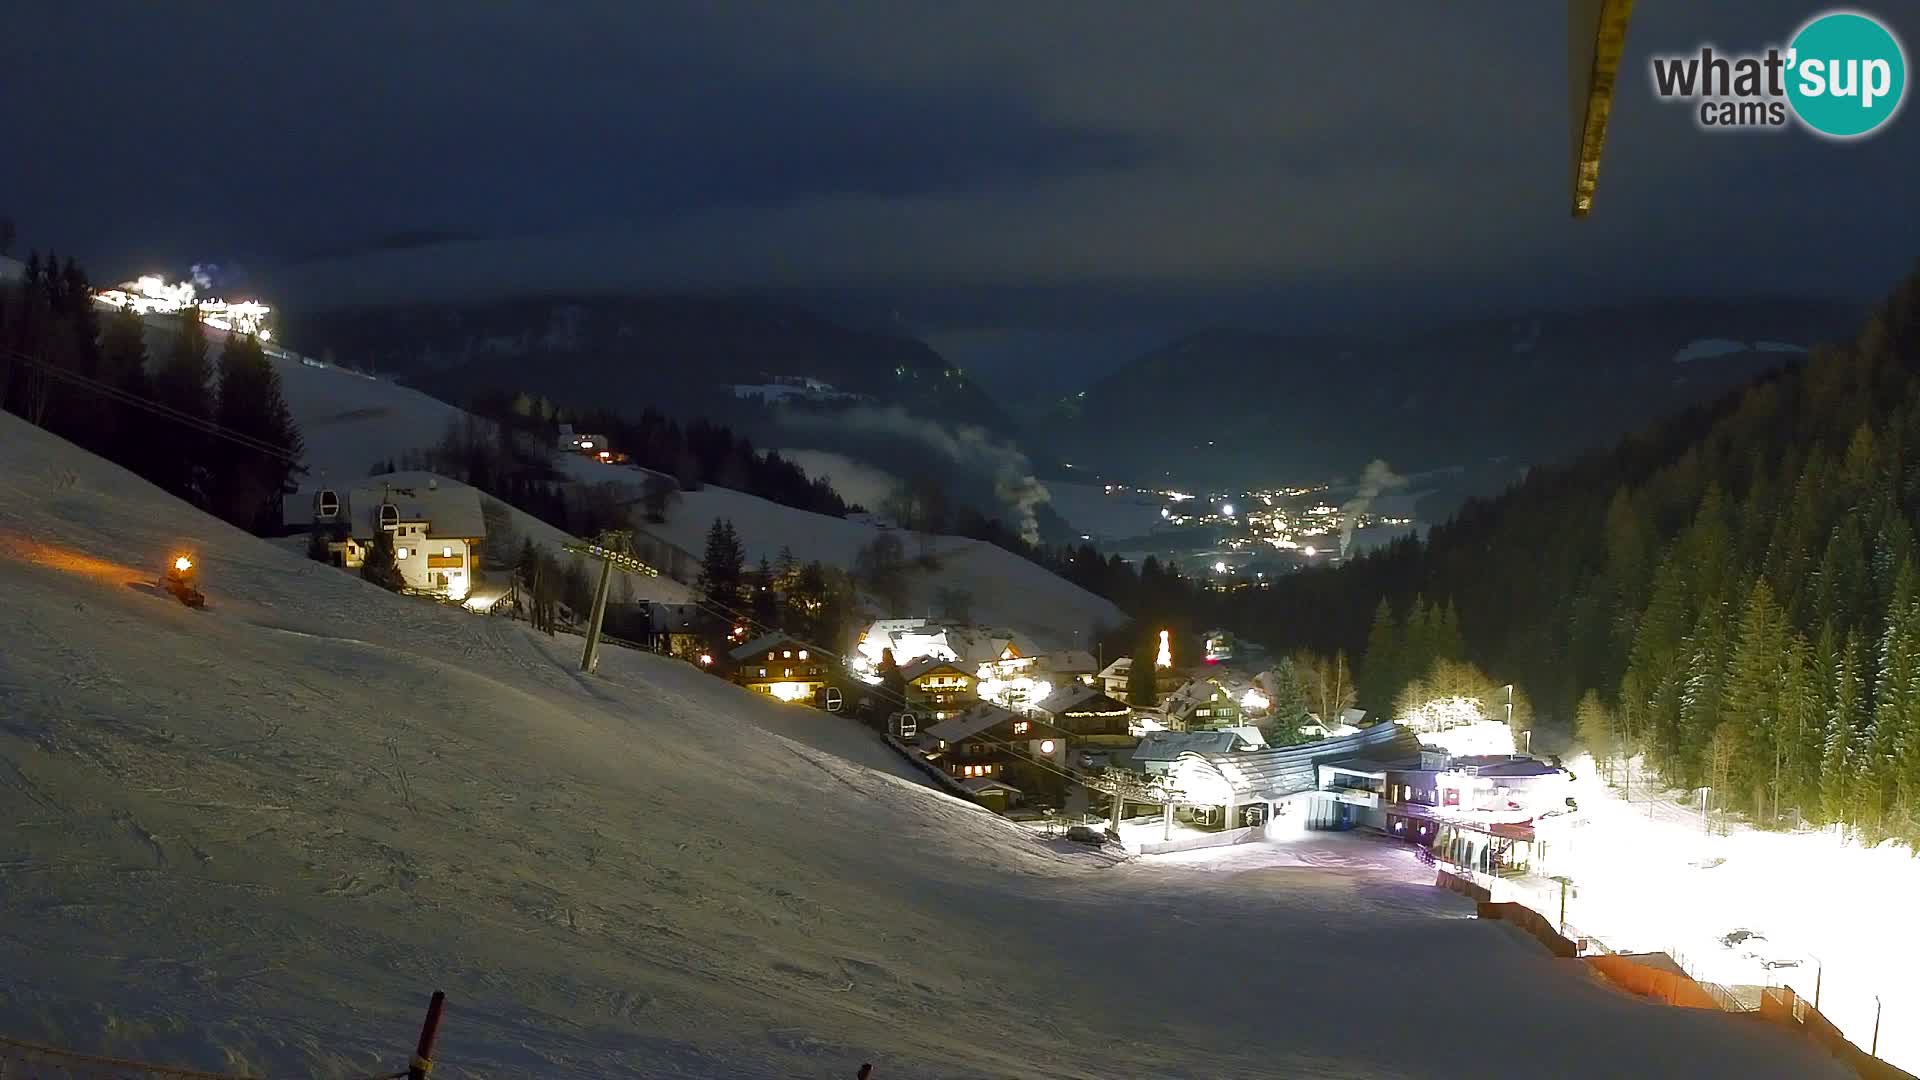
(803, 654)
(446, 552)
(763, 673)
(787, 654)
(400, 554)
(1019, 727)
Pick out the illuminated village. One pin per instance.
(151, 294)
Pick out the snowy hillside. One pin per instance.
(1007, 590)
(350, 421)
(255, 836)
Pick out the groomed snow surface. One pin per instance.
(255, 837)
(1649, 875)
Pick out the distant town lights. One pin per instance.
(152, 293)
(1227, 510)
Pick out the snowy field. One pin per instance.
(254, 837)
(1007, 590)
(1649, 876)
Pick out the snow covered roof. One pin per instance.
(927, 667)
(1072, 662)
(976, 645)
(969, 723)
(980, 785)
(1371, 766)
(676, 618)
(1170, 745)
(763, 643)
(1502, 765)
(1080, 700)
(450, 512)
(1289, 770)
(1195, 693)
(1118, 668)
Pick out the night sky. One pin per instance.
(1062, 182)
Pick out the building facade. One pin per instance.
(780, 667)
(436, 531)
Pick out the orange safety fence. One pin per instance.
(1781, 1005)
(1456, 883)
(1672, 987)
(1532, 922)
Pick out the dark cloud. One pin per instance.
(1007, 178)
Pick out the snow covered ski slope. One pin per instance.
(253, 837)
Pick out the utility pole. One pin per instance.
(614, 549)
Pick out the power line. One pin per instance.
(201, 424)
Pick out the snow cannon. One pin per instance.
(182, 581)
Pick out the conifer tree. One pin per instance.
(380, 565)
(1838, 767)
(1381, 666)
(1593, 726)
(123, 366)
(722, 568)
(248, 483)
(764, 604)
(184, 385)
(1143, 674)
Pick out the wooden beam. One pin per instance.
(1596, 39)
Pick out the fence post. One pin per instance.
(429, 1031)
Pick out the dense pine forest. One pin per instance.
(1734, 593)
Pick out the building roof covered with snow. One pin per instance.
(1071, 662)
(970, 723)
(1170, 745)
(452, 511)
(1287, 770)
(920, 668)
(1078, 700)
(765, 643)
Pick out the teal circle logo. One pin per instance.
(1846, 74)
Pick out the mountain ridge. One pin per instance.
(1308, 405)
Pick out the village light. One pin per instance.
(1165, 657)
(789, 691)
(1309, 551)
(706, 659)
(183, 564)
(1046, 746)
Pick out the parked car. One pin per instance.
(1087, 834)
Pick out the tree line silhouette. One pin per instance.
(91, 380)
(1733, 593)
